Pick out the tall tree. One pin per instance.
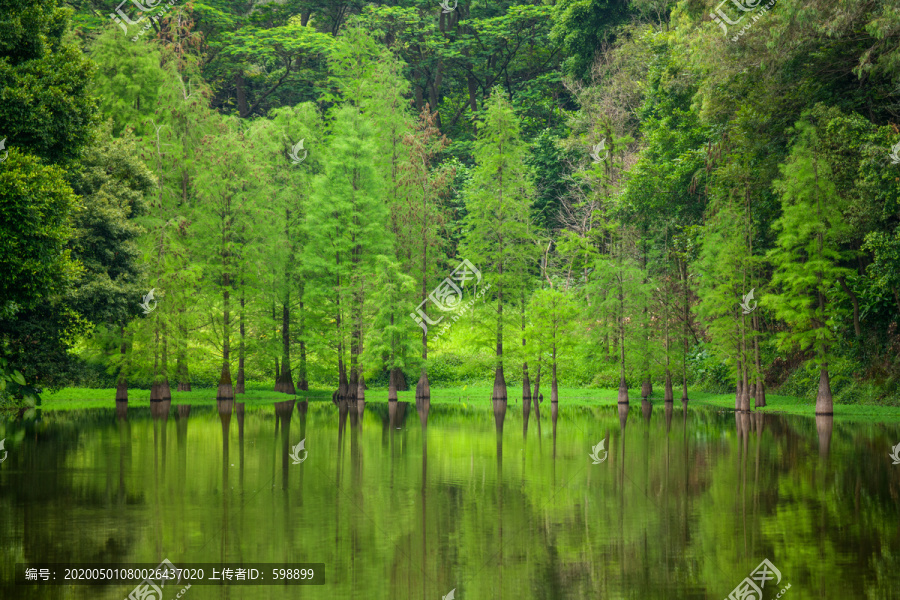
(498, 202)
(808, 255)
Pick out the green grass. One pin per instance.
(82, 398)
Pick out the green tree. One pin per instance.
(498, 202)
(45, 103)
(345, 223)
(808, 255)
(553, 314)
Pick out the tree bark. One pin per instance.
(285, 382)
(181, 365)
(239, 388)
(302, 383)
(760, 379)
(122, 382)
(226, 390)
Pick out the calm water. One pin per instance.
(402, 503)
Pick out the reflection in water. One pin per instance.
(554, 415)
(676, 516)
(182, 414)
(225, 409)
(159, 411)
(239, 411)
(283, 413)
(824, 424)
(499, 407)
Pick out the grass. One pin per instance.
(258, 394)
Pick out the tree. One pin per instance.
(227, 190)
(345, 222)
(113, 183)
(498, 201)
(808, 254)
(46, 104)
(553, 313)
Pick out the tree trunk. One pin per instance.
(240, 93)
(285, 382)
(226, 390)
(526, 386)
(745, 391)
(122, 382)
(302, 383)
(361, 388)
(181, 363)
(684, 389)
(824, 400)
(554, 391)
(392, 385)
(165, 390)
(668, 396)
(760, 379)
(499, 391)
(423, 389)
(239, 388)
(646, 388)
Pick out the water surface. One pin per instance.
(402, 502)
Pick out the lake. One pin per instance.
(395, 501)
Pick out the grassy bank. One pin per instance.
(82, 398)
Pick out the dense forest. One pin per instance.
(330, 195)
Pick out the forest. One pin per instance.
(334, 195)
